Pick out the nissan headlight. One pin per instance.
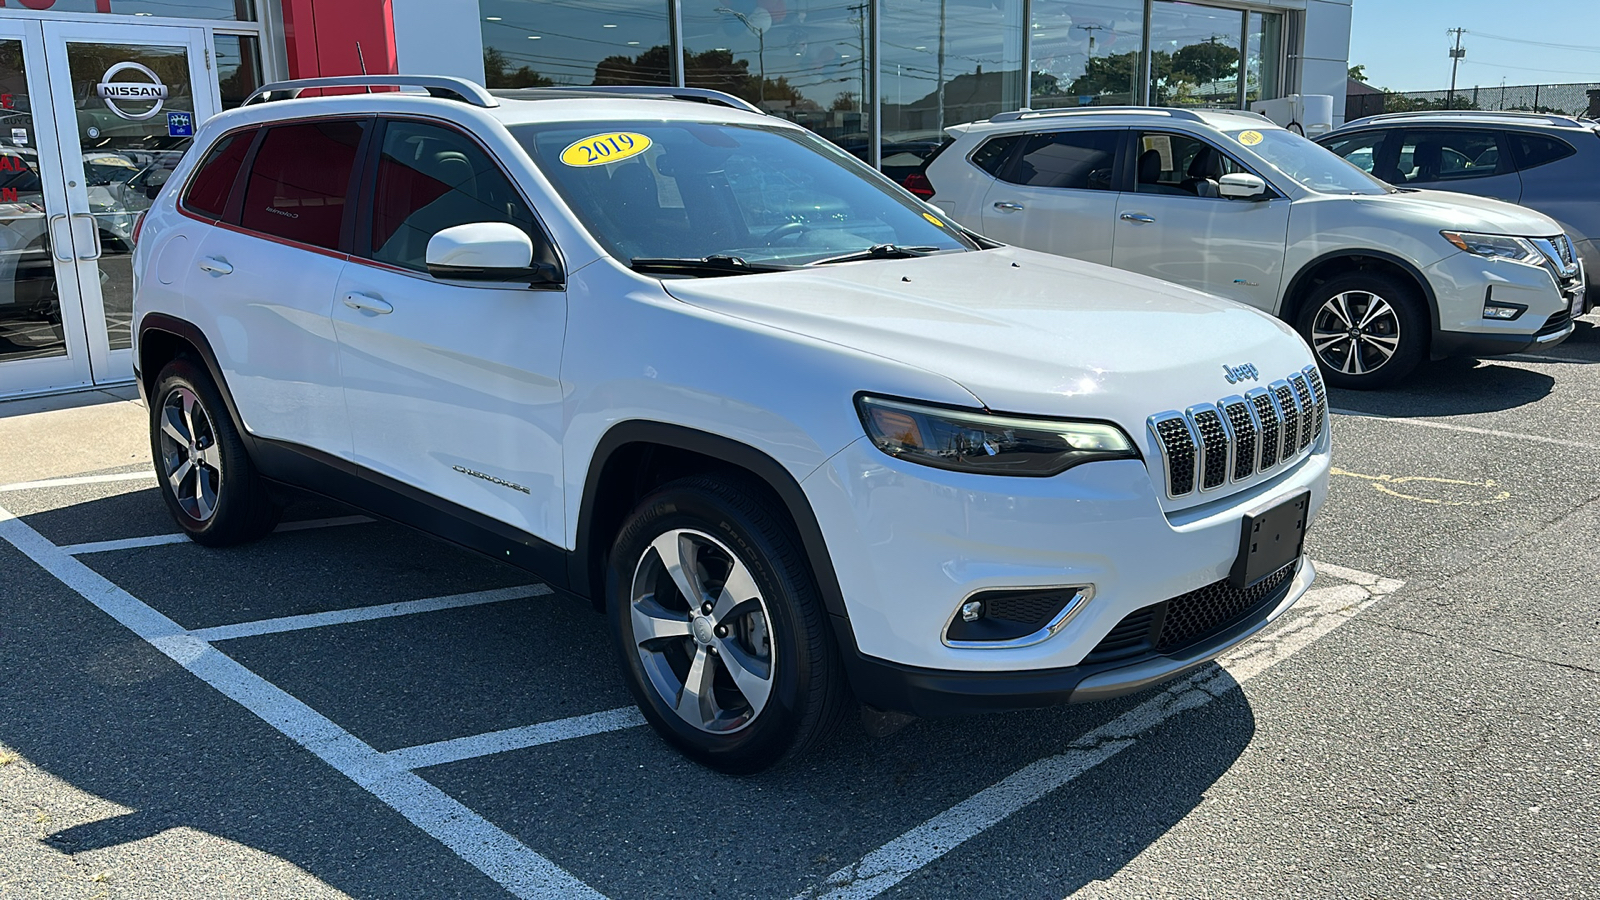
(986, 443)
(1495, 246)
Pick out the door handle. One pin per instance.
(1008, 207)
(95, 230)
(216, 266)
(1141, 218)
(55, 244)
(368, 303)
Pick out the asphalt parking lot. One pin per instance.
(350, 709)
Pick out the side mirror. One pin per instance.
(486, 251)
(155, 181)
(1242, 186)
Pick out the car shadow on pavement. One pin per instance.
(1450, 387)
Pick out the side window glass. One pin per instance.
(431, 178)
(213, 181)
(1535, 149)
(993, 154)
(1180, 165)
(1079, 160)
(1448, 155)
(299, 181)
(1360, 150)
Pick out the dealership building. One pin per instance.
(100, 97)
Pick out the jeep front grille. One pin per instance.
(1209, 445)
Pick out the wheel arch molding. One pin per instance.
(609, 494)
(164, 337)
(1338, 261)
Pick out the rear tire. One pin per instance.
(1367, 330)
(207, 478)
(743, 674)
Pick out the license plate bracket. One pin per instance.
(1270, 540)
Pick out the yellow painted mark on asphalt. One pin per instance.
(1386, 484)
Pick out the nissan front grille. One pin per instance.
(1211, 445)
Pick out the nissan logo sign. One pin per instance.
(113, 92)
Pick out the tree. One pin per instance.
(1205, 62)
(715, 69)
(1358, 73)
(496, 74)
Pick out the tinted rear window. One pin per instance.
(992, 155)
(1536, 149)
(1080, 160)
(300, 180)
(213, 181)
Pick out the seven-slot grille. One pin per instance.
(1209, 445)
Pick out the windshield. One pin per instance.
(1311, 166)
(766, 195)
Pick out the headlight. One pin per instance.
(971, 441)
(1495, 246)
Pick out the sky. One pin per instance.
(1405, 47)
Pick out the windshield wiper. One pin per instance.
(879, 251)
(705, 266)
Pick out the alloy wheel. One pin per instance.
(190, 458)
(702, 631)
(1355, 332)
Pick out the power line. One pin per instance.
(1592, 73)
(1573, 47)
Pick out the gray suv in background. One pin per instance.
(1550, 163)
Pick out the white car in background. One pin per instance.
(797, 434)
(1375, 278)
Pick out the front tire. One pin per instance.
(719, 627)
(1367, 330)
(207, 478)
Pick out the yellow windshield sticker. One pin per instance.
(1249, 138)
(933, 220)
(599, 149)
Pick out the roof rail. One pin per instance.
(1551, 118)
(1018, 114)
(443, 86)
(697, 95)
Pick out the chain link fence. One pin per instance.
(1564, 99)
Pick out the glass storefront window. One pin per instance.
(538, 43)
(30, 303)
(944, 62)
(238, 67)
(1261, 56)
(1194, 55)
(1086, 52)
(232, 10)
(804, 62)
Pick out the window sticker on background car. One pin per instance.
(1249, 138)
(1162, 144)
(932, 219)
(599, 149)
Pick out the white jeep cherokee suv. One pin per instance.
(793, 431)
(1376, 278)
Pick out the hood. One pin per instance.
(1024, 332)
(1446, 211)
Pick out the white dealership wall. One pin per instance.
(1324, 57)
(438, 37)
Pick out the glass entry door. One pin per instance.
(126, 109)
(99, 115)
(43, 341)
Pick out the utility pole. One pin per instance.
(1456, 53)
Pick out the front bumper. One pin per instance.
(910, 543)
(933, 693)
(1464, 283)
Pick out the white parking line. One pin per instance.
(1318, 613)
(158, 540)
(458, 749)
(367, 613)
(81, 479)
(1488, 432)
(492, 851)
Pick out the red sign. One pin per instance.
(8, 195)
